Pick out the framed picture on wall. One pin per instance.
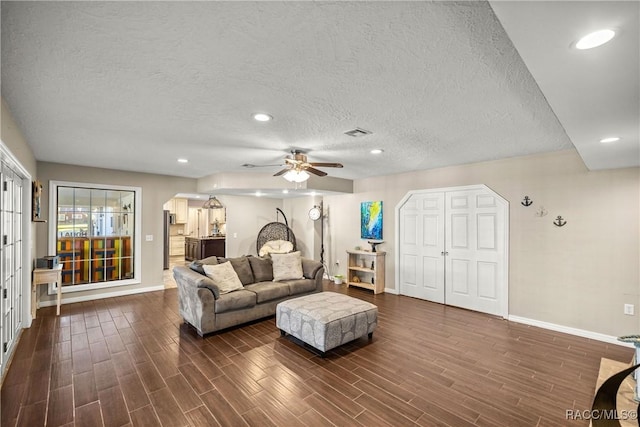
(371, 220)
(36, 209)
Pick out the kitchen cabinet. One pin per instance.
(179, 207)
(202, 248)
(176, 245)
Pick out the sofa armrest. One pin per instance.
(310, 268)
(189, 277)
(196, 300)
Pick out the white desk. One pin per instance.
(42, 276)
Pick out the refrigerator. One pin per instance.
(165, 239)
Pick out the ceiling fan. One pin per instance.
(298, 168)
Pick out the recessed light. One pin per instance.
(285, 191)
(183, 161)
(262, 117)
(610, 139)
(595, 39)
(377, 151)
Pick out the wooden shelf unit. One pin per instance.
(94, 259)
(371, 275)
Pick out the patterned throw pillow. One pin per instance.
(224, 276)
(287, 266)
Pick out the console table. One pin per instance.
(42, 276)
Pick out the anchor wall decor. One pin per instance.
(559, 222)
(527, 201)
(541, 212)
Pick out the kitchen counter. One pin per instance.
(203, 247)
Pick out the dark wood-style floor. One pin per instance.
(131, 361)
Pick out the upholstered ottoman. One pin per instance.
(327, 319)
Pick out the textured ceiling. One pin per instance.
(136, 85)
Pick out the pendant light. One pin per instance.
(213, 203)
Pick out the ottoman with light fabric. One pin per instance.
(327, 319)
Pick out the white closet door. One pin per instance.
(475, 224)
(422, 245)
(453, 248)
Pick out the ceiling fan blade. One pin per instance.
(327, 165)
(251, 165)
(282, 172)
(316, 171)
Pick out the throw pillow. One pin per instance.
(224, 276)
(287, 266)
(262, 269)
(197, 264)
(242, 267)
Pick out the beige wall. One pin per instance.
(16, 143)
(156, 190)
(578, 276)
(307, 232)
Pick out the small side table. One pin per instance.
(42, 276)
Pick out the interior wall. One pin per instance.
(13, 138)
(245, 217)
(156, 190)
(579, 275)
(307, 231)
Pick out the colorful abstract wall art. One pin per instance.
(371, 220)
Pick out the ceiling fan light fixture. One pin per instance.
(294, 175)
(595, 39)
(213, 203)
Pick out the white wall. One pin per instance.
(578, 276)
(245, 217)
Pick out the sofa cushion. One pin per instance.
(197, 264)
(235, 300)
(223, 276)
(267, 291)
(300, 286)
(262, 269)
(287, 266)
(242, 267)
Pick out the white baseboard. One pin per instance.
(391, 291)
(118, 293)
(569, 330)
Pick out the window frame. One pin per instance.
(137, 234)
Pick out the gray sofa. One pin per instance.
(202, 305)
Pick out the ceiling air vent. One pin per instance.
(358, 132)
